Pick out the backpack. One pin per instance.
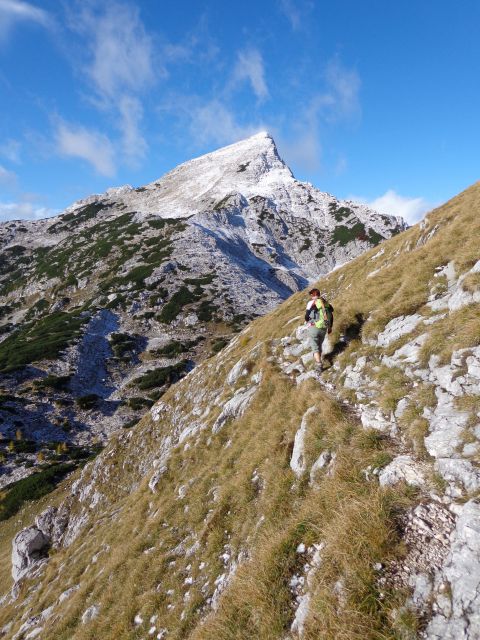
(322, 320)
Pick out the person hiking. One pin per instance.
(319, 318)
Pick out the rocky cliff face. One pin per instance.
(105, 305)
(261, 499)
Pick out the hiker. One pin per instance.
(319, 318)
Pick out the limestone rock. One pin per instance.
(372, 417)
(402, 468)
(30, 548)
(90, 614)
(297, 461)
(237, 371)
(462, 476)
(397, 328)
(460, 620)
(156, 477)
(320, 463)
(235, 407)
(446, 426)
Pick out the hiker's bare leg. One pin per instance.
(318, 357)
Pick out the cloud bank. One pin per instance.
(87, 144)
(14, 11)
(391, 203)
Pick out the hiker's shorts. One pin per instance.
(316, 338)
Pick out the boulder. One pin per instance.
(401, 468)
(90, 614)
(30, 548)
(297, 461)
(235, 407)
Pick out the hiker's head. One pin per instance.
(314, 293)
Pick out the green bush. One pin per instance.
(32, 488)
(205, 310)
(121, 344)
(161, 376)
(208, 279)
(24, 446)
(60, 383)
(176, 347)
(37, 309)
(218, 344)
(176, 303)
(43, 340)
(136, 403)
(87, 212)
(88, 401)
(343, 235)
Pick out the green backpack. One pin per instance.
(322, 319)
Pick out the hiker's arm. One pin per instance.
(307, 312)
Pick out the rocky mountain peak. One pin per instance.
(250, 167)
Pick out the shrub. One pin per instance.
(218, 344)
(176, 347)
(60, 383)
(342, 235)
(205, 310)
(88, 401)
(32, 488)
(121, 343)
(161, 376)
(176, 303)
(136, 403)
(43, 340)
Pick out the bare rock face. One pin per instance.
(456, 589)
(30, 548)
(31, 545)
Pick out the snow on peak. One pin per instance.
(237, 167)
(251, 167)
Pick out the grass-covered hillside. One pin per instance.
(260, 500)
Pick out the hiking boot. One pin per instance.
(318, 368)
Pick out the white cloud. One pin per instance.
(302, 149)
(250, 68)
(391, 203)
(92, 146)
(342, 97)
(120, 50)
(13, 11)
(24, 211)
(133, 143)
(7, 178)
(119, 65)
(296, 11)
(339, 101)
(214, 122)
(11, 150)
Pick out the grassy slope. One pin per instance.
(225, 512)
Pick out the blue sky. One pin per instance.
(372, 99)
